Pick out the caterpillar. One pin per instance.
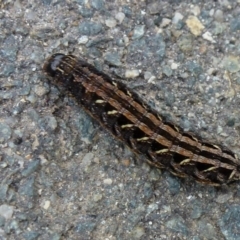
(140, 127)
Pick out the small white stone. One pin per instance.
(165, 22)
(196, 10)
(120, 16)
(152, 79)
(218, 15)
(174, 66)
(211, 12)
(177, 17)
(97, 197)
(107, 181)
(126, 39)
(83, 40)
(208, 36)
(87, 159)
(111, 22)
(132, 73)
(147, 75)
(46, 204)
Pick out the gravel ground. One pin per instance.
(64, 177)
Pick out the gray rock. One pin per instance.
(86, 12)
(229, 222)
(90, 28)
(235, 24)
(6, 70)
(177, 224)
(2, 221)
(194, 68)
(154, 8)
(206, 230)
(6, 211)
(28, 188)
(111, 22)
(31, 235)
(45, 33)
(185, 43)
(98, 41)
(9, 48)
(218, 15)
(97, 4)
(32, 167)
(197, 209)
(3, 191)
(138, 32)
(87, 226)
(231, 63)
(174, 185)
(19, 107)
(12, 225)
(113, 59)
(167, 70)
(5, 132)
(56, 236)
(49, 123)
(127, 11)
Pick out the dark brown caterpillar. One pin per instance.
(140, 127)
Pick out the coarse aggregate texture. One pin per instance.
(64, 177)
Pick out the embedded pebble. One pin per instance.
(83, 40)
(32, 167)
(19, 107)
(31, 235)
(46, 204)
(54, 154)
(88, 158)
(41, 90)
(113, 59)
(97, 197)
(107, 181)
(111, 22)
(165, 22)
(86, 12)
(167, 70)
(174, 65)
(137, 232)
(177, 224)
(120, 17)
(177, 17)
(206, 229)
(90, 28)
(229, 221)
(5, 132)
(49, 123)
(185, 43)
(194, 25)
(132, 73)
(2, 222)
(208, 36)
(196, 10)
(222, 198)
(138, 32)
(97, 4)
(231, 63)
(218, 15)
(6, 211)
